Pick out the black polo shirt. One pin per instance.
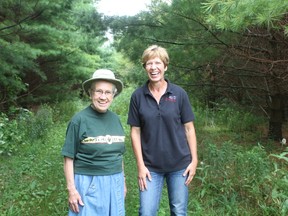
(163, 140)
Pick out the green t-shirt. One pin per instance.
(96, 142)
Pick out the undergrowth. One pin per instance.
(237, 173)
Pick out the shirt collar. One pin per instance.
(168, 90)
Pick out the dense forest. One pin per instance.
(231, 57)
(234, 50)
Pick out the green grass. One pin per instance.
(237, 173)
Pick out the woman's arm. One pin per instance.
(143, 172)
(192, 142)
(74, 197)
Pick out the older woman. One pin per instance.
(93, 150)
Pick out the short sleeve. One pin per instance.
(71, 141)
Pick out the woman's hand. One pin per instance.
(191, 171)
(75, 200)
(143, 174)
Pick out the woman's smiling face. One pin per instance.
(155, 69)
(102, 94)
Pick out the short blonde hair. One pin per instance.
(154, 51)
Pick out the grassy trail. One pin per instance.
(236, 176)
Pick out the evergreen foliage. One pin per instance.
(235, 15)
(47, 49)
(220, 50)
(255, 65)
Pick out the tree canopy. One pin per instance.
(257, 60)
(219, 49)
(237, 15)
(231, 49)
(47, 49)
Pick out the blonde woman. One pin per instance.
(163, 137)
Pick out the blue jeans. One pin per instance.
(101, 195)
(177, 192)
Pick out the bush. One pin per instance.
(279, 177)
(39, 123)
(238, 177)
(64, 110)
(229, 116)
(23, 126)
(232, 178)
(120, 106)
(11, 132)
(237, 119)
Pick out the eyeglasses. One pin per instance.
(100, 92)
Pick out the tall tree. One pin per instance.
(255, 63)
(179, 28)
(47, 47)
(235, 49)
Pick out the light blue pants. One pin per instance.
(102, 195)
(177, 192)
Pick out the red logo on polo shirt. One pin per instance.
(171, 99)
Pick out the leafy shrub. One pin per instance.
(279, 177)
(231, 179)
(227, 117)
(239, 177)
(236, 118)
(64, 110)
(11, 132)
(120, 106)
(23, 125)
(40, 123)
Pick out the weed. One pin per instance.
(235, 176)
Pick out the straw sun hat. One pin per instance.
(106, 75)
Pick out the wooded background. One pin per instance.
(221, 51)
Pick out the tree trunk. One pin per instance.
(276, 117)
